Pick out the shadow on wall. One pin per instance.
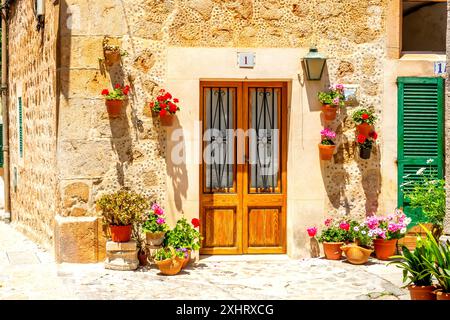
(313, 88)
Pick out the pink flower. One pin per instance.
(339, 87)
(328, 133)
(344, 226)
(161, 221)
(312, 232)
(392, 227)
(381, 233)
(372, 223)
(157, 210)
(328, 222)
(336, 101)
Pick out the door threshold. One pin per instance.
(245, 257)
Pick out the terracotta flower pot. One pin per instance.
(422, 292)
(326, 152)
(167, 120)
(112, 57)
(364, 129)
(155, 238)
(187, 260)
(356, 254)
(114, 108)
(170, 267)
(440, 295)
(333, 250)
(384, 249)
(120, 233)
(364, 153)
(329, 112)
(142, 256)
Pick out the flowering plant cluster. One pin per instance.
(364, 116)
(360, 233)
(156, 220)
(327, 137)
(165, 104)
(334, 231)
(367, 142)
(169, 253)
(119, 92)
(184, 235)
(391, 227)
(334, 97)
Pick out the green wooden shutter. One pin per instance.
(20, 127)
(420, 133)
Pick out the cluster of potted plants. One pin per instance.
(430, 259)
(327, 145)
(331, 100)
(124, 210)
(366, 135)
(165, 106)
(356, 238)
(115, 99)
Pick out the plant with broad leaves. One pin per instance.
(184, 235)
(364, 115)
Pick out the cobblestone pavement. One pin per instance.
(29, 272)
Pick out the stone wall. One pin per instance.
(33, 71)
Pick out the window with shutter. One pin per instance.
(420, 133)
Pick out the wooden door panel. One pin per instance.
(220, 228)
(264, 227)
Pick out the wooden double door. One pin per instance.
(243, 175)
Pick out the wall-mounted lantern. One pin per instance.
(315, 64)
(39, 10)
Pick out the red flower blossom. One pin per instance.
(168, 96)
(126, 90)
(117, 86)
(176, 100)
(163, 112)
(105, 92)
(160, 98)
(162, 105)
(172, 108)
(344, 226)
(374, 135)
(162, 91)
(312, 232)
(152, 104)
(361, 138)
(196, 222)
(365, 116)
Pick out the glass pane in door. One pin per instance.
(219, 154)
(264, 140)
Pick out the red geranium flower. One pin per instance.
(365, 116)
(160, 98)
(176, 100)
(172, 108)
(152, 104)
(168, 96)
(196, 222)
(162, 105)
(312, 232)
(361, 138)
(344, 226)
(105, 92)
(126, 90)
(117, 86)
(163, 112)
(374, 135)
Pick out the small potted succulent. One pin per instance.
(360, 250)
(415, 271)
(184, 235)
(365, 144)
(327, 145)
(115, 98)
(331, 100)
(169, 260)
(385, 232)
(165, 107)
(333, 237)
(120, 211)
(155, 226)
(364, 119)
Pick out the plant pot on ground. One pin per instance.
(327, 145)
(166, 107)
(356, 254)
(115, 99)
(143, 258)
(169, 261)
(120, 210)
(155, 226)
(333, 237)
(184, 237)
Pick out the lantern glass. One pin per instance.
(315, 64)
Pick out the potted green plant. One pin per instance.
(360, 250)
(331, 100)
(428, 193)
(155, 226)
(115, 98)
(184, 235)
(364, 119)
(415, 271)
(333, 237)
(165, 107)
(438, 264)
(120, 210)
(327, 145)
(385, 232)
(169, 260)
(365, 144)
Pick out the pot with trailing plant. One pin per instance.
(155, 226)
(115, 99)
(364, 120)
(165, 107)
(428, 194)
(333, 237)
(415, 271)
(327, 145)
(365, 144)
(358, 252)
(331, 100)
(184, 236)
(385, 232)
(120, 210)
(169, 261)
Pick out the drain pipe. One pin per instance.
(4, 89)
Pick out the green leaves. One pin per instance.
(364, 116)
(184, 235)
